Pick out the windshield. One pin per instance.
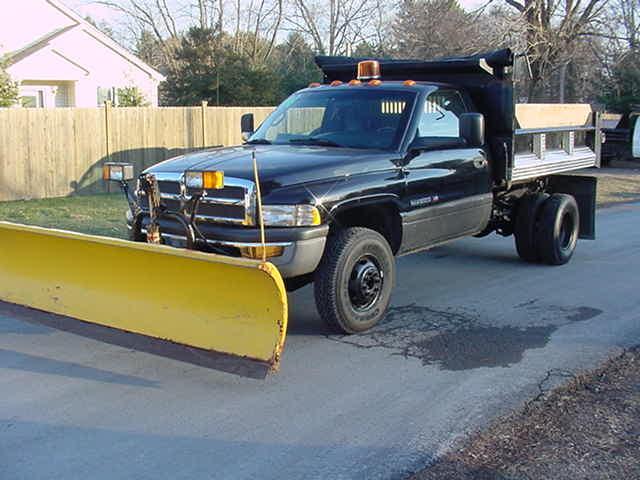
(354, 118)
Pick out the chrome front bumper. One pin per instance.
(302, 246)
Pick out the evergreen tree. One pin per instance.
(622, 88)
(208, 69)
(149, 50)
(8, 88)
(131, 97)
(295, 65)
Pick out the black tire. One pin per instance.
(559, 224)
(354, 280)
(524, 231)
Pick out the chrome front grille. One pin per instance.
(235, 203)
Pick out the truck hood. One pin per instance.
(280, 165)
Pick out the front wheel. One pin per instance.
(354, 280)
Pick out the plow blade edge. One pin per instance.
(210, 302)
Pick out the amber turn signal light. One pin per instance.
(213, 180)
(207, 180)
(257, 252)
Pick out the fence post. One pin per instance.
(107, 133)
(204, 123)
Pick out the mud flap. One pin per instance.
(583, 188)
(210, 302)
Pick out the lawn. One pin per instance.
(96, 214)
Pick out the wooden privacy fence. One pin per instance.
(57, 152)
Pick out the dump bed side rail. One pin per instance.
(546, 150)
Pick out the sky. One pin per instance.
(102, 13)
(93, 10)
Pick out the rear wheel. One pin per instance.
(354, 280)
(528, 210)
(557, 235)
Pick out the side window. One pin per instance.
(440, 117)
(107, 93)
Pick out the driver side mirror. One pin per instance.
(246, 126)
(472, 129)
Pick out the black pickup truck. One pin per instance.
(382, 159)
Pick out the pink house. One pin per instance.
(61, 60)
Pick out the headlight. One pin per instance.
(117, 171)
(290, 215)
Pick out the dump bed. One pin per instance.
(553, 138)
(526, 141)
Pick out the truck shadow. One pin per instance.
(90, 182)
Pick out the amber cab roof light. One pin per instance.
(368, 70)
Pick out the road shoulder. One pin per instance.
(589, 427)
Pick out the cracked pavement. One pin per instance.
(473, 332)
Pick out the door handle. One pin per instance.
(480, 162)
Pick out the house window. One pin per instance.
(63, 95)
(32, 97)
(107, 93)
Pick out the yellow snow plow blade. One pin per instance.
(211, 302)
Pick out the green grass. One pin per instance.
(96, 214)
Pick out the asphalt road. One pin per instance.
(472, 333)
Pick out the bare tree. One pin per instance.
(418, 34)
(153, 16)
(336, 26)
(263, 19)
(554, 29)
(620, 53)
(254, 23)
(621, 25)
